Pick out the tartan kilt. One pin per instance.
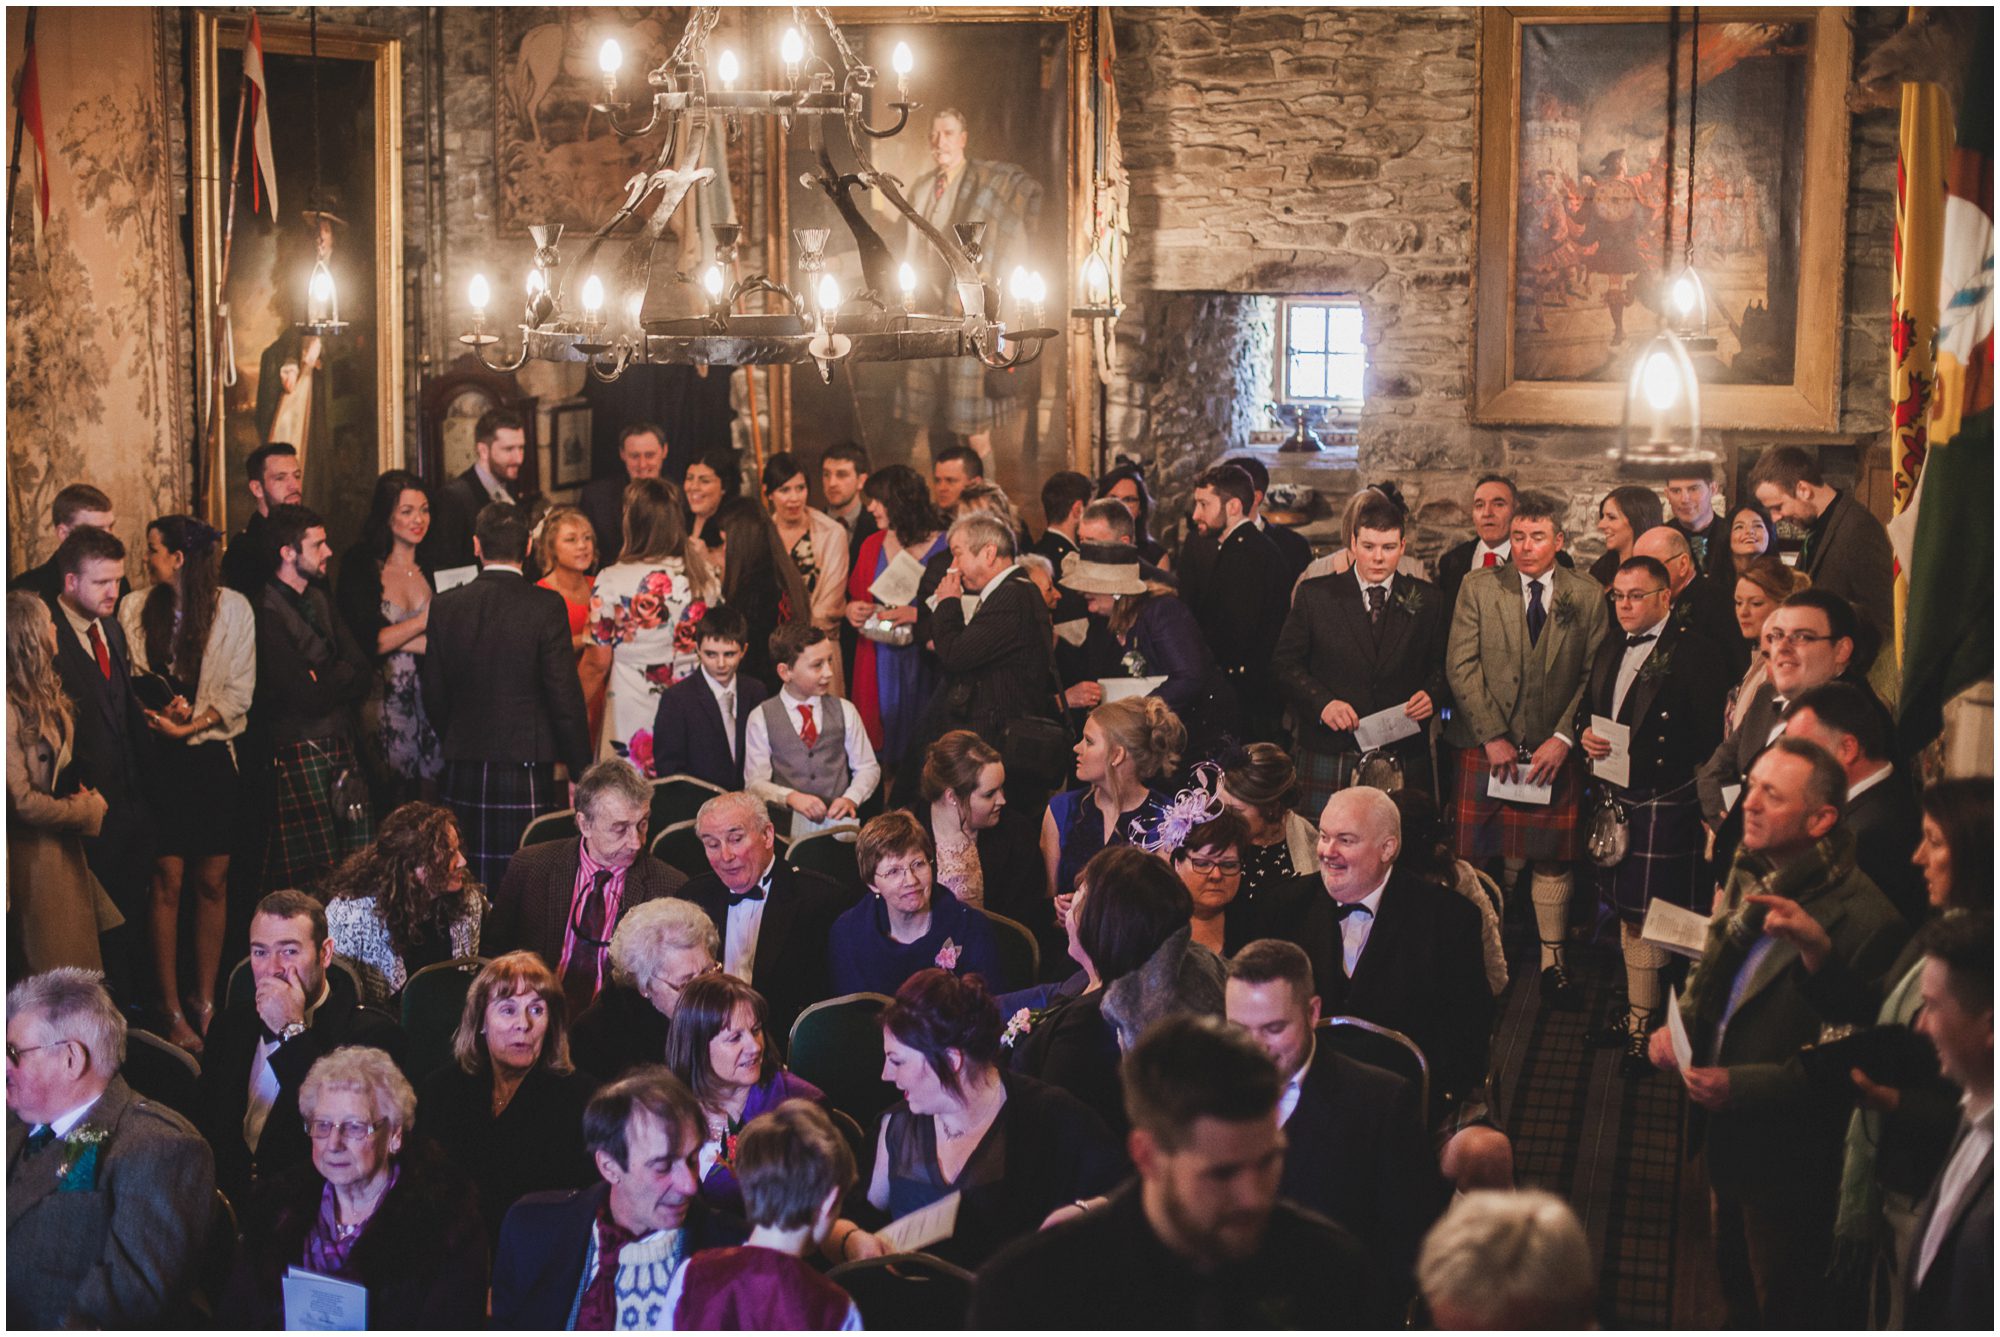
(1487, 827)
(494, 801)
(305, 838)
(1662, 856)
(1321, 775)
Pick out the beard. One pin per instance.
(1227, 1239)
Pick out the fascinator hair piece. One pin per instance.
(1188, 809)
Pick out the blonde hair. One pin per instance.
(33, 689)
(369, 1071)
(550, 529)
(1149, 731)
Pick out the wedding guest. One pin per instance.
(815, 542)
(758, 579)
(77, 504)
(843, 469)
(197, 641)
(643, 611)
(1209, 863)
(1691, 509)
(892, 682)
(385, 595)
(903, 925)
(405, 902)
(642, 453)
(565, 549)
(953, 469)
(1126, 485)
(1624, 514)
(508, 1108)
(1238, 593)
(1505, 1259)
(657, 950)
(703, 720)
(1127, 748)
(1846, 550)
(1762, 584)
(274, 476)
(56, 906)
(712, 479)
(1258, 784)
(986, 850)
(1341, 561)
(1751, 535)
(805, 748)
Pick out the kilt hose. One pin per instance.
(1662, 854)
(1487, 827)
(1324, 774)
(306, 837)
(494, 801)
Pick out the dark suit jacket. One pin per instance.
(1329, 651)
(1423, 972)
(1709, 607)
(1731, 760)
(1240, 597)
(538, 1271)
(250, 560)
(225, 1080)
(531, 910)
(1710, 547)
(1957, 1292)
(1357, 1152)
(1674, 706)
(688, 734)
(499, 678)
(124, 1255)
(453, 509)
(310, 672)
(790, 966)
(105, 753)
(998, 667)
(602, 502)
(1852, 558)
(1887, 822)
(1295, 548)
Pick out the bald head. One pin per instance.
(1360, 835)
(1669, 547)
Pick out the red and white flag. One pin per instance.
(253, 70)
(30, 109)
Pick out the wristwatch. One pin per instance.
(292, 1032)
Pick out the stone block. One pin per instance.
(1325, 167)
(1385, 236)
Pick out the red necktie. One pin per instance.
(1491, 560)
(103, 654)
(808, 731)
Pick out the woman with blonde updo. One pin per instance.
(566, 555)
(1128, 747)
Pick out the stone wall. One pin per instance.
(1334, 151)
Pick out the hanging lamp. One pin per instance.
(322, 297)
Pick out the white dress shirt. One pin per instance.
(1868, 782)
(264, 1081)
(495, 489)
(1628, 665)
(1288, 1103)
(1502, 551)
(1358, 924)
(746, 921)
(986, 590)
(67, 1121)
(725, 701)
(865, 771)
(1960, 1177)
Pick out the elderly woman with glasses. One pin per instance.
(376, 1207)
(658, 949)
(903, 926)
(508, 1108)
(1210, 862)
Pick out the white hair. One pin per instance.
(982, 529)
(367, 1070)
(73, 1003)
(646, 933)
(737, 801)
(1510, 1258)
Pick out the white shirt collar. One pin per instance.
(1372, 902)
(495, 489)
(515, 567)
(793, 700)
(1866, 783)
(1653, 631)
(1366, 585)
(1232, 529)
(987, 589)
(1502, 551)
(72, 1118)
(718, 687)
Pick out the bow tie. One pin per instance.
(1342, 909)
(755, 893)
(1634, 642)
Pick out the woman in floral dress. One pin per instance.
(385, 595)
(643, 611)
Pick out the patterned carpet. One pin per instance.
(1611, 1146)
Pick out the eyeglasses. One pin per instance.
(15, 1053)
(1636, 596)
(1226, 867)
(351, 1130)
(1797, 638)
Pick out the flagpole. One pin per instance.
(20, 116)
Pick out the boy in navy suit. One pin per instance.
(698, 729)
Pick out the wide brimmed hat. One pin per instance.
(1105, 568)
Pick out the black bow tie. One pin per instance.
(1342, 909)
(1634, 642)
(755, 893)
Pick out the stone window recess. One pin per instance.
(1320, 358)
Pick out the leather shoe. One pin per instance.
(1635, 1063)
(1613, 1033)
(1559, 992)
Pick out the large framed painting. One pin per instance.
(1004, 91)
(1582, 213)
(337, 397)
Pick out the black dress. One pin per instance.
(536, 1143)
(618, 1031)
(1075, 1048)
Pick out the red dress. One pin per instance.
(593, 693)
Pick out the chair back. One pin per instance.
(857, 1140)
(1020, 954)
(904, 1292)
(679, 846)
(1367, 1042)
(433, 1002)
(829, 853)
(217, 1259)
(162, 1072)
(677, 798)
(837, 1046)
(559, 825)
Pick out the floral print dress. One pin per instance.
(645, 612)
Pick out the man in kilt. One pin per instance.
(1356, 643)
(310, 676)
(1522, 638)
(1667, 684)
(500, 687)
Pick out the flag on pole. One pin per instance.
(30, 111)
(253, 70)
(1949, 630)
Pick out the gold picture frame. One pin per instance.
(360, 97)
(1551, 345)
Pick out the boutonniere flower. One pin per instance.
(1683, 612)
(1410, 599)
(1134, 663)
(1658, 665)
(1564, 611)
(79, 1163)
(947, 957)
(1020, 1024)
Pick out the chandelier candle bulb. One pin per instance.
(321, 308)
(903, 62)
(537, 284)
(792, 50)
(609, 57)
(1662, 382)
(727, 69)
(1096, 281)
(479, 294)
(713, 280)
(593, 295)
(829, 295)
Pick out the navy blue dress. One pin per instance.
(863, 958)
(1080, 831)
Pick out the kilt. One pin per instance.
(306, 837)
(1663, 854)
(494, 801)
(1323, 774)
(1487, 827)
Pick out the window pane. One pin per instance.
(1343, 375)
(1343, 329)
(1307, 376)
(1307, 329)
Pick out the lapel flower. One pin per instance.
(1020, 1024)
(1684, 612)
(1564, 611)
(1658, 665)
(79, 1163)
(1409, 599)
(947, 957)
(1134, 663)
